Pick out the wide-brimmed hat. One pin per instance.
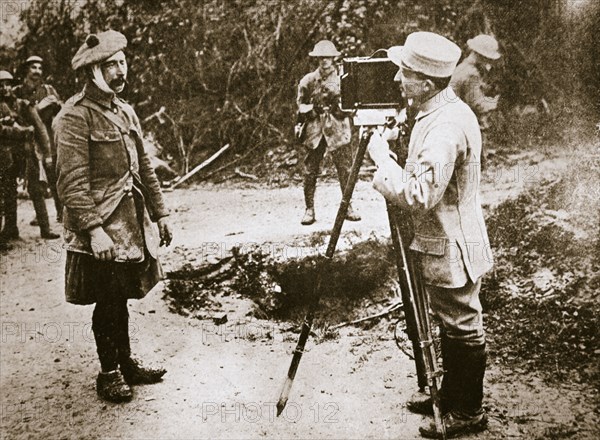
(427, 53)
(98, 47)
(485, 45)
(324, 48)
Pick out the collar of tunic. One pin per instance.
(436, 102)
(94, 93)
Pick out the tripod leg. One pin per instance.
(316, 297)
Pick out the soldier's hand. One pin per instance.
(102, 245)
(28, 132)
(164, 230)
(48, 161)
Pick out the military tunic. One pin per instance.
(440, 187)
(21, 156)
(105, 179)
(319, 99)
(470, 86)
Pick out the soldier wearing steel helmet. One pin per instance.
(327, 128)
(111, 200)
(468, 80)
(12, 136)
(30, 146)
(48, 103)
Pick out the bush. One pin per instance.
(226, 72)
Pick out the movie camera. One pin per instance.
(369, 91)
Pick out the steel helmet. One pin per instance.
(485, 45)
(5, 76)
(34, 59)
(324, 48)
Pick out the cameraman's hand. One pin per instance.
(165, 231)
(391, 134)
(379, 150)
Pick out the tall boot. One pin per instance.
(464, 390)
(310, 186)
(472, 370)
(41, 213)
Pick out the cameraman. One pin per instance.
(439, 186)
(326, 128)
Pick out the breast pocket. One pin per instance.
(106, 153)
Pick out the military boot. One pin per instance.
(112, 387)
(458, 424)
(421, 403)
(41, 213)
(309, 216)
(9, 233)
(464, 391)
(135, 373)
(352, 215)
(5, 246)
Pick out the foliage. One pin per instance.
(226, 72)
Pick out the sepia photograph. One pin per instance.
(300, 219)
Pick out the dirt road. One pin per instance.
(223, 381)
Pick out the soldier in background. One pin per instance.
(12, 136)
(326, 127)
(48, 103)
(27, 151)
(470, 83)
(469, 79)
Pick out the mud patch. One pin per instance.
(194, 291)
(357, 281)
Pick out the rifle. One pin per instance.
(414, 296)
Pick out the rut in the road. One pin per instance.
(280, 288)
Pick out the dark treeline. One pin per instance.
(227, 70)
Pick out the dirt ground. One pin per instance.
(223, 381)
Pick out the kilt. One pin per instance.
(87, 280)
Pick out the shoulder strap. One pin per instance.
(107, 114)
